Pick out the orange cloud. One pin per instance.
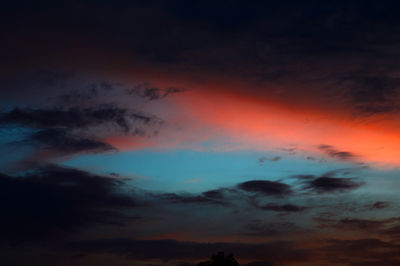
(262, 124)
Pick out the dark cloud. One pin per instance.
(381, 227)
(380, 205)
(336, 154)
(77, 118)
(291, 151)
(353, 252)
(354, 224)
(97, 91)
(338, 180)
(208, 197)
(327, 184)
(74, 97)
(70, 131)
(359, 245)
(90, 93)
(276, 252)
(304, 177)
(374, 94)
(281, 208)
(188, 36)
(59, 142)
(346, 171)
(214, 194)
(260, 228)
(265, 187)
(152, 93)
(262, 159)
(52, 201)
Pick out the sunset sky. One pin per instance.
(157, 133)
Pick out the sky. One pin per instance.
(158, 133)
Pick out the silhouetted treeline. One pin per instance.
(220, 260)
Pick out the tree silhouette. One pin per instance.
(220, 260)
